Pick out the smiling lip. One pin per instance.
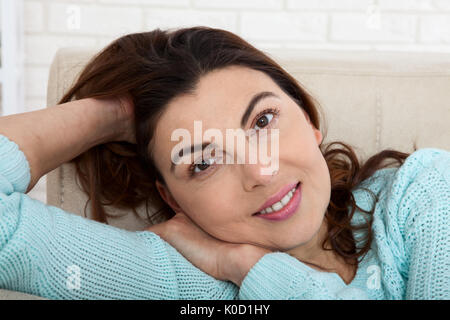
(288, 210)
(278, 196)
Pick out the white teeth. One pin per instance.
(286, 199)
(277, 206)
(280, 204)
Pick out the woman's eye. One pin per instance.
(206, 164)
(203, 165)
(264, 120)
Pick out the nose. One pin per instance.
(262, 159)
(255, 175)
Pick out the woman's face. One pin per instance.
(223, 198)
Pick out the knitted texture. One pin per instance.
(55, 254)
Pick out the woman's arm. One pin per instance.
(52, 136)
(424, 221)
(51, 253)
(260, 273)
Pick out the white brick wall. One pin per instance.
(169, 18)
(401, 25)
(284, 27)
(396, 28)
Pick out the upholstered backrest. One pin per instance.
(370, 100)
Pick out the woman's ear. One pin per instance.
(167, 196)
(317, 133)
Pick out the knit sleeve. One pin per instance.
(424, 220)
(51, 253)
(279, 276)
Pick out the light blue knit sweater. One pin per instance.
(51, 253)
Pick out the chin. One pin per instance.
(299, 236)
(287, 244)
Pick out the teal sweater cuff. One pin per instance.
(13, 166)
(270, 278)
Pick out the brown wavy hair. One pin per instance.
(155, 67)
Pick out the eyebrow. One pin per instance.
(248, 111)
(253, 102)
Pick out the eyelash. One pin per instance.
(275, 111)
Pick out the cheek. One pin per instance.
(210, 206)
(220, 215)
(296, 143)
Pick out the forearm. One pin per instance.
(52, 136)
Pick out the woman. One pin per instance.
(319, 227)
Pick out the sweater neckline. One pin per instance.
(358, 276)
(357, 279)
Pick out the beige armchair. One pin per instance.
(370, 100)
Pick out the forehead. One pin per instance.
(219, 101)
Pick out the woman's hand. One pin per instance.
(122, 107)
(221, 260)
(126, 113)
